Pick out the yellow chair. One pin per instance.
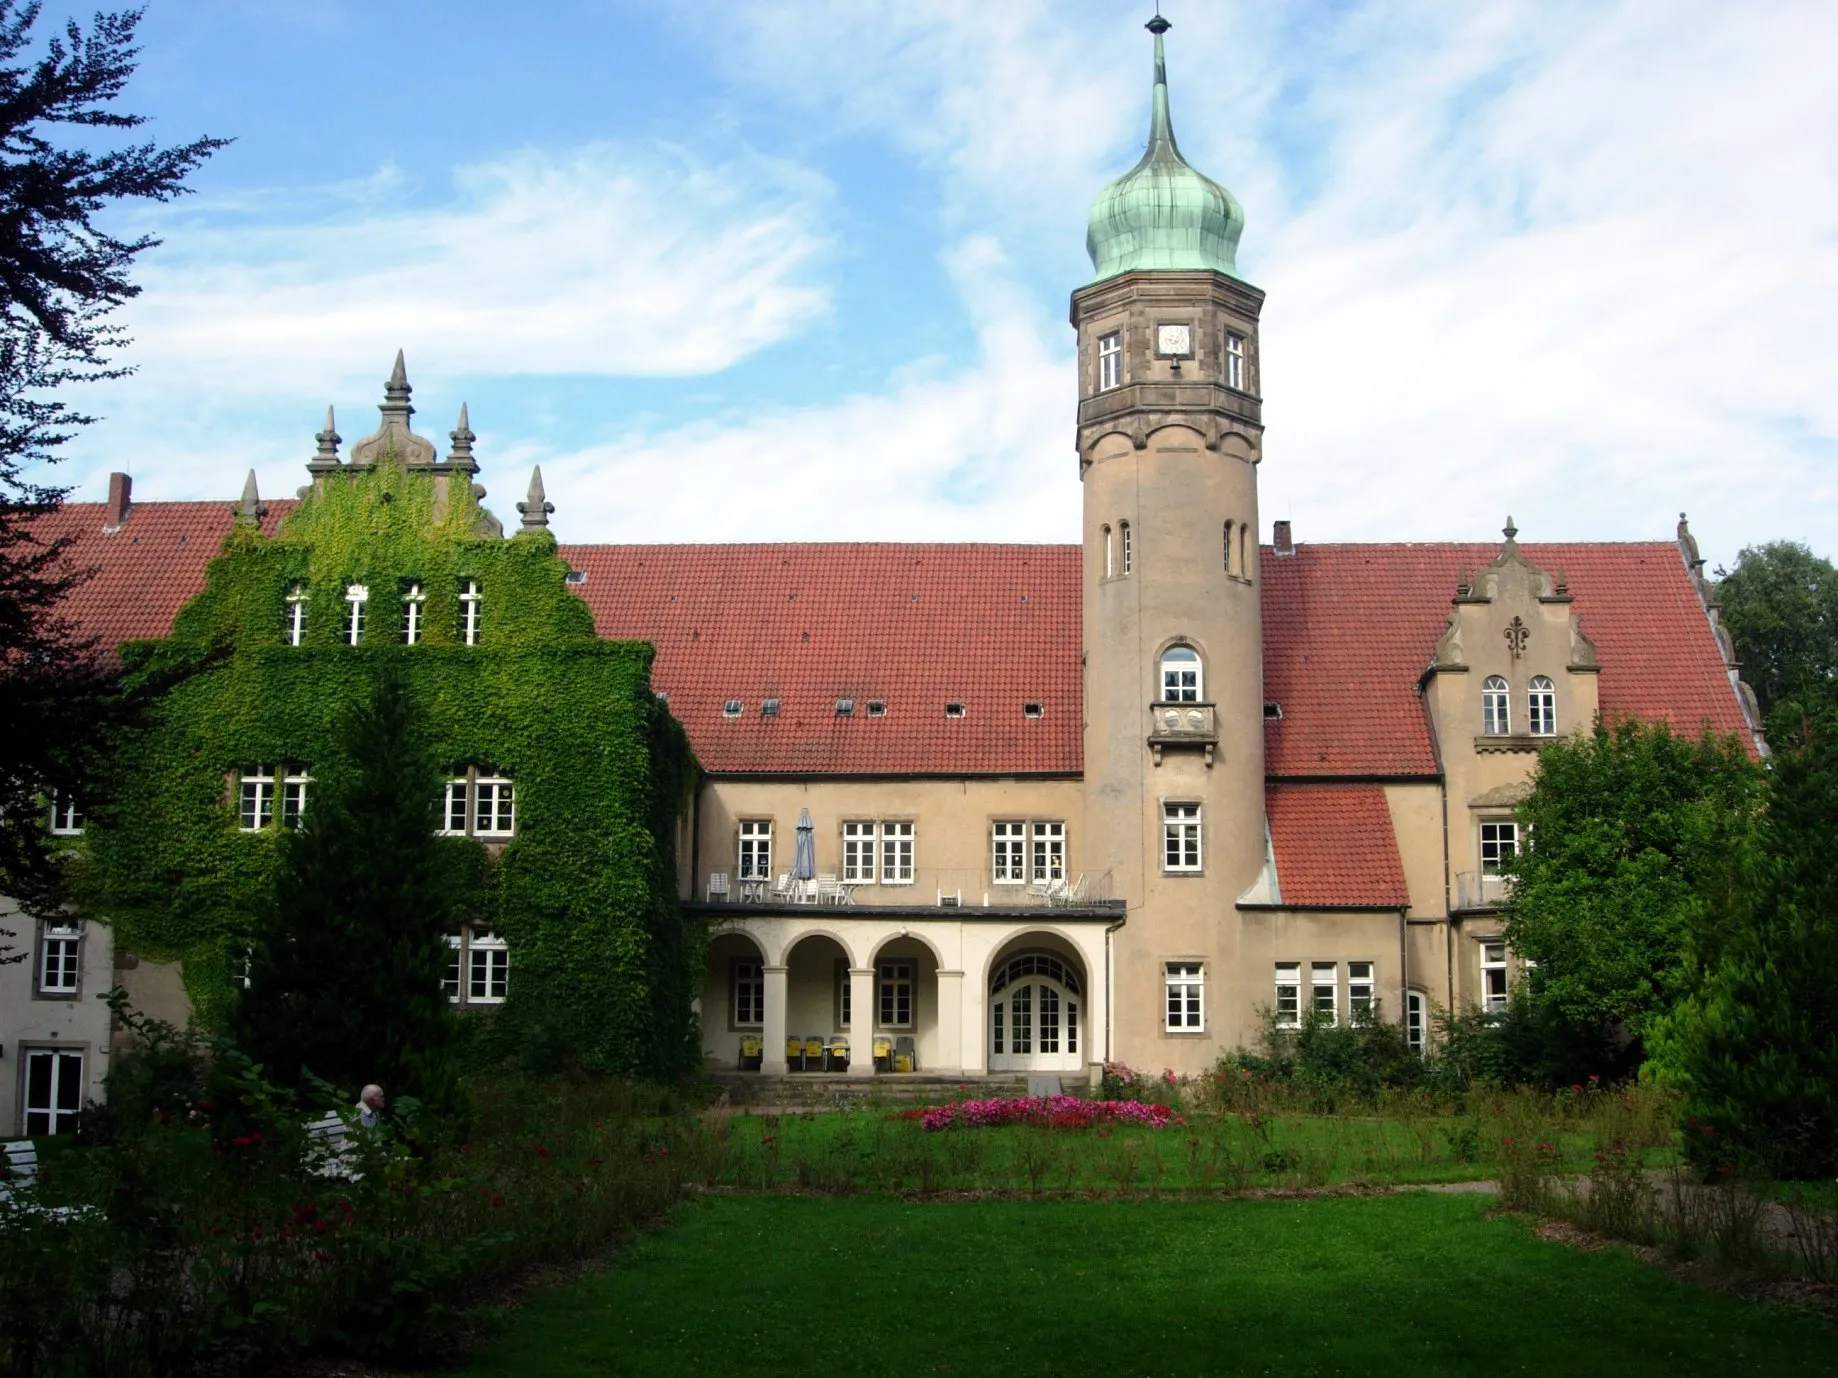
(905, 1055)
(813, 1054)
(839, 1055)
(883, 1053)
(794, 1054)
(752, 1053)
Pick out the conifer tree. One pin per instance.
(345, 978)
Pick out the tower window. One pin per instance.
(1180, 837)
(1123, 529)
(1496, 708)
(1228, 547)
(1543, 703)
(1110, 361)
(1110, 561)
(1182, 679)
(469, 600)
(1234, 360)
(293, 622)
(356, 598)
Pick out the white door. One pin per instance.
(1036, 1016)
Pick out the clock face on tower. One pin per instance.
(1174, 341)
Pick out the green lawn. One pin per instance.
(1414, 1285)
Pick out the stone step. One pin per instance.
(838, 1090)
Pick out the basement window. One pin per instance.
(769, 708)
(845, 707)
(876, 708)
(954, 710)
(1032, 710)
(731, 709)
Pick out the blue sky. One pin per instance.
(775, 270)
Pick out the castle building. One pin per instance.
(998, 808)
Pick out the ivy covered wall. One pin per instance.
(603, 966)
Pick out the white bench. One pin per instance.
(329, 1150)
(21, 1176)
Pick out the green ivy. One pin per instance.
(603, 963)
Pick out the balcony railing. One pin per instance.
(1182, 724)
(930, 887)
(1481, 889)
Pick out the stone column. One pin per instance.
(951, 1019)
(861, 1021)
(772, 1062)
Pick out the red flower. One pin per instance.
(319, 1227)
(496, 1199)
(465, 1148)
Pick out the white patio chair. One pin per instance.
(718, 885)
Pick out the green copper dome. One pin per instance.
(1161, 214)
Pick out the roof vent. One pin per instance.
(877, 708)
(1032, 710)
(769, 708)
(1273, 711)
(731, 709)
(845, 707)
(954, 710)
(576, 577)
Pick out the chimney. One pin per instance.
(1282, 541)
(120, 489)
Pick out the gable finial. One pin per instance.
(461, 458)
(1510, 531)
(325, 458)
(250, 507)
(536, 506)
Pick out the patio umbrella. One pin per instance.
(804, 865)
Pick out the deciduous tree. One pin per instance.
(1781, 606)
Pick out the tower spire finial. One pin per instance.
(1161, 123)
(536, 506)
(325, 458)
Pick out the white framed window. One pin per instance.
(1496, 708)
(1288, 1007)
(294, 781)
(1360, 989)
(357, 599)
(1499, 846)
(1234, 360)
(845, 996)
(1180, 837)
(1324, 991)
(60, 949)
(255, 800)
(1184, 985)
(488, 968)
(1009, 844)
(1182, 680)
(897, 853)
(1110, 559)
(54, 1090)
(470, 603)
(450, 982)
(1129, 554)
(458, 809)
(896, 995)
(494, 812)
(1110, 360)
(1542, 701)
(858, 852)
(1049, 840)
(414, 612)
(1416, 1020)
(1493, 977)
(754, 857)
(66, 814)
(293, 616)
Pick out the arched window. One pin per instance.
(1496, 708)
(1128, 554)
(1109, 560)
(1244, 550)
(1181, 679)
(1543, 703)
(1228, 547)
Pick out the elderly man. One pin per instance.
(370, 1105)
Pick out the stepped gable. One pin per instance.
(1348, 629)
(992, 627)
(1335, 845)
(146, 569)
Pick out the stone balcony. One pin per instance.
(1176, 725)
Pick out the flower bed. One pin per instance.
(1053, 1112)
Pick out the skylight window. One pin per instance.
(876, 708)
(731, 709)
(845, 708)
(954, 710)
(769, 708)
(1032, 710)
(576, 576)
(1273, 711)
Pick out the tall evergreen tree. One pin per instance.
(345, 978)
(1757, 1046)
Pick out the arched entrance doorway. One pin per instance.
(1036, 1015)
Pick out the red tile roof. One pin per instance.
(1334, 844)
(1347, 631)
(993, 627)
(1349, 628)
(148, 569)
